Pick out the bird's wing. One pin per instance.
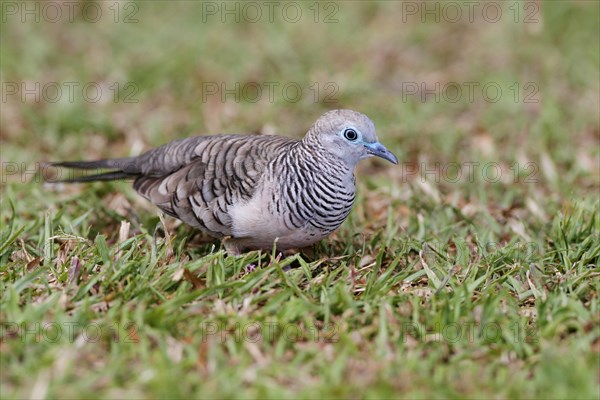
(198, 180)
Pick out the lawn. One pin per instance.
(470, 270)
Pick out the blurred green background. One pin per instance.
(509, 89)
(373, 53)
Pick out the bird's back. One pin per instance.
(198, 180)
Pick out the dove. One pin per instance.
(253, 191)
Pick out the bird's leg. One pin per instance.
(309, 252)
(232, 246)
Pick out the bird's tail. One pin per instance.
(101, 170)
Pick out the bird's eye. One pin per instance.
(350, 134)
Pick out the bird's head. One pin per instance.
(348, 135)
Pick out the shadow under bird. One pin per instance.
(254, 191)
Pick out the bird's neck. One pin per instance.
(314, 156)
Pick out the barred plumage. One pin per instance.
(253, 191)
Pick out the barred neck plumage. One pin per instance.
(318, 188)
(310, 152)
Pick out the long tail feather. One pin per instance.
(122, 164)
(106, 176)
(122, 168)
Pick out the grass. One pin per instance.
(479, 286)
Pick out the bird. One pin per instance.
(253, 192)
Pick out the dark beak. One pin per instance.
(379, 150)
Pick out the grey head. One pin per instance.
(349, 136)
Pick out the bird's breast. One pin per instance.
(296, 210)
